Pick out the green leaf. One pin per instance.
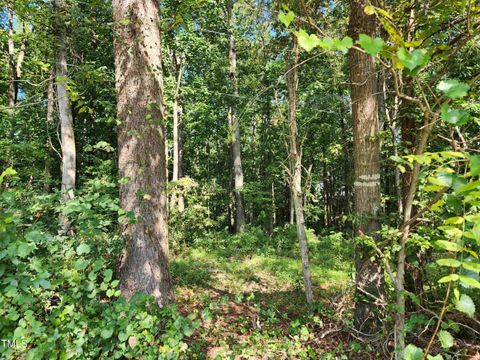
(472, 266)
(371, 46)
(107, 275)
(412, 352)
(344, 44)
(286, 18)
(448, 245)
(448, 278)
(106, 333)
(307, 42)
(81, 264)
(369, 10)
(326, 43)
(7, 172)
(413, 61)
(449, 262)
(436, 357)
(454, 117)
(446, 339)
(83, 249)
(465, 305)
(453, 89)
(24, 249)
(469, 281)
(475, 165)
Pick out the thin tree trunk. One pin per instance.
(50, 116)
(234, 126)
(177, 199)
(11, 59)
(67, 136)
(369, 273)
(141, 149)
(296, 169)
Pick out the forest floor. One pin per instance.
(252, 305)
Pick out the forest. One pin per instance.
(240, 179)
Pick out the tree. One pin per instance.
(69, 153)
(177, 69)
(233, 124)
(295, 161)
(141, 142)
(369, 279)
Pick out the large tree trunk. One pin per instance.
(234, 126)
(177, 64)
(369, 281)
(141, 142)
(67, 136)
(296, 169)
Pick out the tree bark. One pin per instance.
(141, 149)
(296, 169)
(234, 126)
(369, 273)
(67, 136)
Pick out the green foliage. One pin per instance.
(413, 61)
(453, 89)
(370, 45)
(59, 298)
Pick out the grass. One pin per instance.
(252, 305)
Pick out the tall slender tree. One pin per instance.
(177, 67)
(65, 113)
(295, 161)
(369, 279)
(141, 142)
(233, 124)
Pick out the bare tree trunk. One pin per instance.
(296, 169)
(67, 136)
(11, 60)
(369, 273)
(177, 64)
(50, 115)
(234, 126)
(141, 142)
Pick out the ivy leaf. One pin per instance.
(83, 249)
(454, 117)
(453, 89)
(286, 18)
(81, 264)
(371, 46)
(344, 44)
(413, 61)
(412, 352)
(446, 339)
(475, 165)
(449, 262)
(106, 333)
(465, 304)
(307, 42)
(24, 249)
